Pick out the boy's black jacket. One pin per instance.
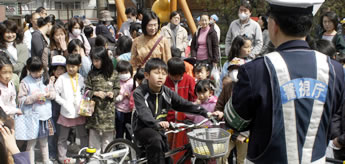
(147, 116)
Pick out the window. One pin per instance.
(58, 5)
(77, 5)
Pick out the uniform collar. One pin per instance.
(293, 44)
(145, 85)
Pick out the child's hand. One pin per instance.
(52, 80)
(219, 114)
(110, 94)
(10, 141)
(119, 98)
(19, 112)
(100, 94)
(241, 138)
(197, 102)
(164, 124)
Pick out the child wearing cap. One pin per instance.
(57, 68)
(213, 19)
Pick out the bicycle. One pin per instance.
(205, 143)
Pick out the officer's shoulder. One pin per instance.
(255, 62)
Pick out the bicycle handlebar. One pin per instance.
(178, 127)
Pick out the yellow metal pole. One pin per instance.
(121, 15)
(190, 21)
(173, 5)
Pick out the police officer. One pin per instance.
(287, 98)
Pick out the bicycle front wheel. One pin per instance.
(120, 145)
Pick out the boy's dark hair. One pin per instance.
(176, 66)
(73, 21)
(73, 44)
(199, 66)
(246, 4)
(134, 27)
(138, 76)
(101, 41)
(147, 17)
(10, 26)
(124, 45)
(331, 16)
(326, 47)
(124, 66)
(296, 25)
(155, 63)
(88, 31)
(132, 11)
(236, 45)
(4, 60)
(204, 85)
(175, 52)
(174, 13)
(101, 53)
(40, 9)
(73, 59)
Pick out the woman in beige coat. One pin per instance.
(177, 34)
(143, 44)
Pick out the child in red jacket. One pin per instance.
(183, 84)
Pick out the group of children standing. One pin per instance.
(54, 93)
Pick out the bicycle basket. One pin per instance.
(209, 143)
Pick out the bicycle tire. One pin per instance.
(116, 144)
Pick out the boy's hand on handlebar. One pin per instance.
(164, 124)
(219, 114)
(241, 138)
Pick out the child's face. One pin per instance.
(202, 75)
(203, 96)
(77, 50)
(156, 78)
(72, 69)
(37, 74)
(246, 49)
(59, 71)
(6, 74)
(97, 63)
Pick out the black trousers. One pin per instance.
(155, 143)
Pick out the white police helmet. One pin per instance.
(299, 6)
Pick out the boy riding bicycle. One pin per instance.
(152, 100)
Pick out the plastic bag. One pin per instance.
(215, 77)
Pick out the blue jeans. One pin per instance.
(120, 124)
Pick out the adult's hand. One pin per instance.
(10, 141)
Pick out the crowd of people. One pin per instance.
(137, 74)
